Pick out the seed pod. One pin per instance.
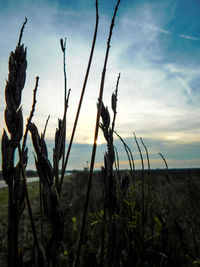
(114, 102)
(35, 137)
(20, 74)
(104, 130)
(45, 170)
(48, 170)
(17, 73)
(59, 140)
(9, 99)
(105, 116)
(43, 146)
(62, 45)
(41, 173)
(18, 126)
(7, 158)
(9, 119)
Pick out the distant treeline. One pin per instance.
(178, 172)
(29, 173)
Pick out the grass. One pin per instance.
(144, 218)
(33, 192)
(170, 199)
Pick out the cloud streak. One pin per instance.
(189, 37)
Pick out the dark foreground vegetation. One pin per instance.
(170, 229)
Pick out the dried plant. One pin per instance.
(14, 175)
(50, 197)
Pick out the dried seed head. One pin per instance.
(9, 99)
(62, 45)
(43, 146)
(9, 119)
(48, 170)
(114, 102)
(17, 74)
(7, 157)
(105, 130)
(18, 126)
(35, 137)
(59, 140)
(105, 116)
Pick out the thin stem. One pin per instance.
(21, 32)
(128, 152)
(164, 160)
(29, 208)
(45, 128)
(148, 163)
(21, 161)
(149, 189)
(116, 161)
(41, 213)
(63, 46)
(143, 215)
(81, 99)
(31, 113)
(95, 136)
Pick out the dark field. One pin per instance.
(175, 208)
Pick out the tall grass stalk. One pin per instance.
(95, 137)
(143, 200)
(63, 48)
(166, 165)
(81, 99)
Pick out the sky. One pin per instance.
(156, 48)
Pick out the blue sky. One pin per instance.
(155, 46)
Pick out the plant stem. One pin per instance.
(81, 100)
(95, 137)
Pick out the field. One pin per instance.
(176, 206)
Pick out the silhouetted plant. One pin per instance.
(14, 175)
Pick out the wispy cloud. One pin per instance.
(186, 87)
(154, 28)
(189, 37)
